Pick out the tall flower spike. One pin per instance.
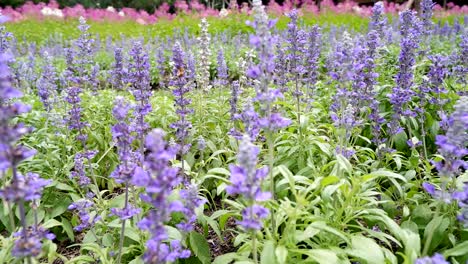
(222, 78)
(378, 21)
(181, 87)
(246, 181)
(139, 79)
(402, 93)
(159, 182)
(47, 83)
(312, 60)
(204, 56)
(426, 16)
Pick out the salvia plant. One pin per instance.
(291, 139)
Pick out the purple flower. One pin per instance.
(139, 80)
(314, 44)
(123, 135)
(118, 74)
(159, 180)
(180, 82)
(436, 259)
(79, 171)
(25, 188)
(191, 201)
(402, 93)
(87, 218)
(222, 69)
(426, 16)
(378, 21)
(453, 145)
(29, 243)
(47, 83)
(235, 90)
(125, 213)
(246, 181)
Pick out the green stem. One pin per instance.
(430, 236)
(122, 231)
(271, 160)
(254, 247)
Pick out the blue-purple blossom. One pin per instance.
(118, 73)
(222, 75)
(181, 87)
(84, 209)
(426, 16)
(159, 180)
(378, 20)
(123, 134)
(139, 80)
(314, 44)
(79, 171)
(25, 188)
(31, 244)
(403, 93)
(47, 83)
(233, 101)
(453, 146)
(296, 45)
(436, 259)
(191, 201)
(246, 181)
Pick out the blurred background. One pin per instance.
(151, 5)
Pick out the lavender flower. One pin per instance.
(426, 16)
(161, 66)
(85, 46)
(222, 69)
(25, 188)
(460, 61)
(180, 83)
(191, 201)
(246, 181)
(123, 136)
(47, 83)
(139, 79)
(312, 60)
(159, 182)
(453, 145)
(378, 21)
(5, 36)
(296, 40)
(436, 259)
(31, 244)
(88, 218)
(80, 168)
(281, 69)
(402, 93)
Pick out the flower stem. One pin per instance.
(122, 231)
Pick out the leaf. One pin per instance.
(51, 223)
(322, 256)
(68, 228)
(281, 253)
(200, 247)
(436, 231)
(458, 250)
(226, 258)
(366, 250)
(268, 253)
(131, 233)
(344, 163)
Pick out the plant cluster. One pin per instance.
(308, 144)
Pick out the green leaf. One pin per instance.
(51, 223)
(268, 253)
(366, 250)
(458, 250)
(200, 247)
(281, 253)
(68, 228)
(436, 230)
(322, 256)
